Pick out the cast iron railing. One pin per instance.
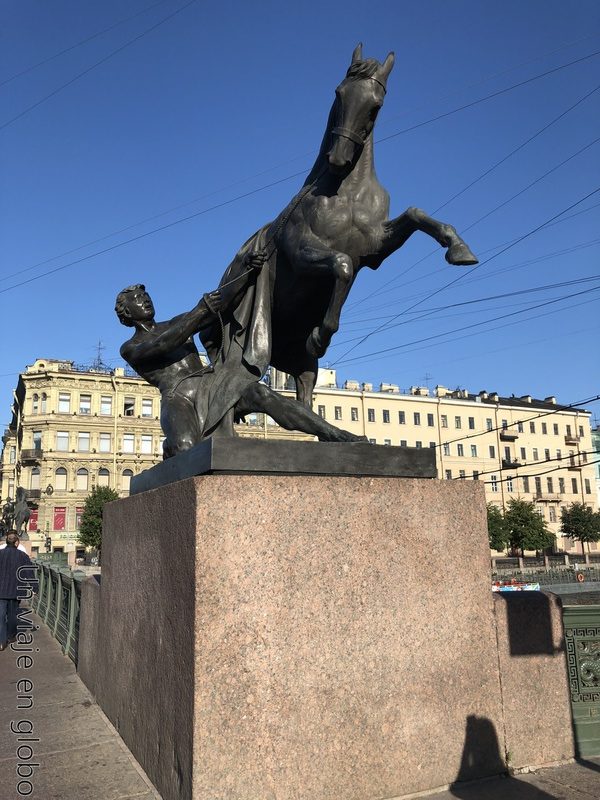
(57, 604)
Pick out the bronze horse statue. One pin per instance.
(337, 224)
(21, 512)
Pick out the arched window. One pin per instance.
(81, 481)
(35, 478)
(43, 403)
(60, 479)
(103, 477)
(35, 404)
(126, 479)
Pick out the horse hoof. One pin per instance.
(460, 255)
(314, 345)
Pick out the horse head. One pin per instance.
(358, 100)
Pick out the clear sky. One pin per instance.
(221, 100)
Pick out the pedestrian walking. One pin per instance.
(17, 579)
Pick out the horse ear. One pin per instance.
(357, 54)
(387, 65)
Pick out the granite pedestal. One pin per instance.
(297, 637)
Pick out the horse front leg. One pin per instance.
(397, 231)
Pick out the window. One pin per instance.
(354, 414)
(337, 413)
(473, 451)
(386, 415)
(471, 423)
(103, 477)
(370, 415)
(446, 449)
(526, 485)
(535, 454)
(544, 428)
(550, 485)
(402, 442)
(106, 405)
(432, 445)
(60, 479)
(532, 427)
(146, 445)
(561, 485)
(581, 433)
(12, 454)
(568, 430)
(62, 441)
(444, 421)
(584, 457)
(558, 455)
(320, 411)
(519, 427)
(555, 428)
(64, 403)
(401, 418)
(419, 445)
(43, 403)
(507, 455)
(104, 443)
(372, 441)
(387, 442)
(129, 442)
(588, 488)
(126, 479)
(60, 515)
(34, 482)
(494, 483)
(448, 474)
(462, 474)
(460, 450)
(523, 454)
(492, 451)
(475, 475)
(509, 483)
(489, 424)
(37, 440)
(147, 407)
(78, 516)
(85, 403)
(538, 486)
(547, 455)
(417, 418)
(574, 485)
(457, 422)
(430, 420)
(552, 514)
(35, 403)
(81, 480)
(504, 424)
(83, 442)
(129, 406)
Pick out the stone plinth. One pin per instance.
(282, 638)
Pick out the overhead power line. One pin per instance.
(538, 474)
(97, 64)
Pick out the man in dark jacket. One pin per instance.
(17, 581)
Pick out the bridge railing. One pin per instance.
(57, 603)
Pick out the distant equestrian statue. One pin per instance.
(22, 513)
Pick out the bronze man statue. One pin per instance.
(165, 355)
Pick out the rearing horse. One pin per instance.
(337, 224)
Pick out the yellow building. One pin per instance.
(78, 427)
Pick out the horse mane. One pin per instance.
(363, 69)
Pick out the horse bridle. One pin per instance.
(352, 135)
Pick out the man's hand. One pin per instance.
(213, 301)
(254, 261)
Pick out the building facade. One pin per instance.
(74, 428)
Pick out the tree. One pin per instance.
(526, 528)
(580, 522)
(497, 532)
(90, 530)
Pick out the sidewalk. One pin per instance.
(75, 754)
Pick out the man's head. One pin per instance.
(12, 540)
(133, 305)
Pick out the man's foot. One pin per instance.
(11, 639)
(2, 647)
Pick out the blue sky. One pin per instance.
(222, 100)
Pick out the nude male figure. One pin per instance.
(165, 355)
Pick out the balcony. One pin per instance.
(571, 439)
(508, 436)
(547, 498)
(31, 456)
(574, 465)
(509, 463)
(34, 494)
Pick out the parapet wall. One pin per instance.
(279, 638)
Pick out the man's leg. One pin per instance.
(290, 414)
(180, 425)
(3, 613)
(11, 619)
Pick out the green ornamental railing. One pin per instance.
(57, 604)
(582, 644)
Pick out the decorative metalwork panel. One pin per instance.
(583, 662)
